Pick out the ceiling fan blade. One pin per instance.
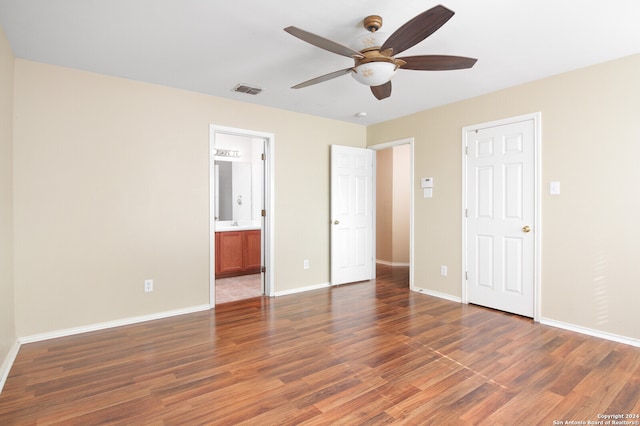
(322, 78)
(437, 62)
(323, 43)
(417, 29)
(382, 91)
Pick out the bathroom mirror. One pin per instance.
(233, 194)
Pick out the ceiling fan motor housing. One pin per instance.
(373, 23)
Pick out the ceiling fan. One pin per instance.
(375, 61)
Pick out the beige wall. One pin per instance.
(393, 178)
(7, 324)
(401, 203)
(591, 144)
(111, 188)
(384, 205)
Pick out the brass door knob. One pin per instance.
(336, 222)
(526, 228)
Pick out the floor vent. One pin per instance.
(244, 88)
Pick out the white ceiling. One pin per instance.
(209, 46)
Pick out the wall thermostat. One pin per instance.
(426, 182)
(427, 186)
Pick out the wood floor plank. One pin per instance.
(366, 353)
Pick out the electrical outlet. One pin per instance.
(305, 264)
(148, 286)
(443, 270)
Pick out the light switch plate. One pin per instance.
(554, 188)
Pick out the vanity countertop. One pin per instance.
(230, 226)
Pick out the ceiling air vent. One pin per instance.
(245, 88)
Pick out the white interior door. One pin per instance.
(351, 214)
(501, 216)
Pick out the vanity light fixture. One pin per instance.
(227, 153)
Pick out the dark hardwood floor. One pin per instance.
(365, 353)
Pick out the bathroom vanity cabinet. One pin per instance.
(237, 253)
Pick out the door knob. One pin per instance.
(526, 228)
(336, 222)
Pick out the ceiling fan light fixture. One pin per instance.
(374, 73)
(375, 61)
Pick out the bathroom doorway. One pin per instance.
(240, 199)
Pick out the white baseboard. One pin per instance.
(8, 363)
(302, 289)
(552, 323)
(386, 263)
(591, 332)
(110, 324)
(438, 294)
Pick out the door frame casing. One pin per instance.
(269, 203)
(537, 188)
(380, 147)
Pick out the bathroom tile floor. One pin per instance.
(238, 288)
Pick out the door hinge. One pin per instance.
(466, 212)
(263, 213)
(263, 269)
(466, 275)
(466, 150)
(263, 156)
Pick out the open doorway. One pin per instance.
(240, 167)
(394, 208)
